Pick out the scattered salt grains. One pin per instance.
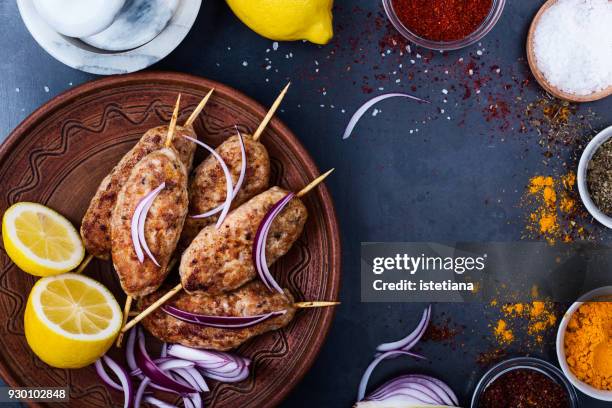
(46, 89)
(479, 53)
(244, 63)
(375, 112)
(445, 91)
(275, 46)
(582, 62)
(17, 90)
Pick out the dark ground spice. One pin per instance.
(442, 20)
(524, 388)
(599, 177)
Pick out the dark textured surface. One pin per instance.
(457, 179)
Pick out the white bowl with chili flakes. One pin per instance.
(603, 293)
(581, 176)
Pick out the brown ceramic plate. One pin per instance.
(60, 153)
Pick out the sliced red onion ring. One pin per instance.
(138, 222)
(412, 339)
(143, 218)
(223, 322)
(193, 398)
(140, 392)
(368, 372)
(217, 365)
(366, 106)
(167, 364)
(243, 167)
(164, 350)
(259, 244)
(158, 403)
(406, 388)
(193, 374)
(228, 181)
(105, 377)
(153, 372)
(124, 378)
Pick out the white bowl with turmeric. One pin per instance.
(584, 344)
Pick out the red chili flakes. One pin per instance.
(442, 20)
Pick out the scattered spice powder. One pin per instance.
(599, 177)
(588, 344)
(503, 334)
(442, 20)
(554, 213)
(524, 388)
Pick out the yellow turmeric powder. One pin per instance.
(554, 214)
(503, 333)
(588, 344)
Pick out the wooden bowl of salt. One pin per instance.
(539, 75)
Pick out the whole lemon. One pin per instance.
(287, 20)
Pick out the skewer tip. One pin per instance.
(306, 305)
(314, 183)
(196, 112)
(172, 126)
(270, 113)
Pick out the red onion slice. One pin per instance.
(158, 403)
(366, 106)
(259, 244)
(138, 222)
(105, 377)
(412, 339)
(217, 365)
(223, 322)
(140, 392)
(228, 181)
(406, 387)
(143, 218)
(153, 372)
(124, 378)
(243, 167)
(368, 372)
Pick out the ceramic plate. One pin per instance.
(58, 156)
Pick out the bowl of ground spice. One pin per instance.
(524, 382)
(444, 24)
(594, 177)
(584, 344)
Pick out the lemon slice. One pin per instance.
(71, 320)
(40, 241)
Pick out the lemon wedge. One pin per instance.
(71, 320)
(40, 241)
(287, 20)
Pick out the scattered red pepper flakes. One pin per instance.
(442, 20)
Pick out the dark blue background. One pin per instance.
(458, 179)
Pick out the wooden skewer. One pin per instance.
(194, 115)
(318, 303)
(169, 137)
(270, 113)
(152, 308)
(84, 264)
(172, 126)
(126, 312)
(178, 287)
(314, 183)
(297, 305)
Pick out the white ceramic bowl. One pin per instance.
(585, 388)
(581, 176)
(76, 54)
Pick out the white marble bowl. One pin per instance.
(76, 54)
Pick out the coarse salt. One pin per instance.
(573, 45)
